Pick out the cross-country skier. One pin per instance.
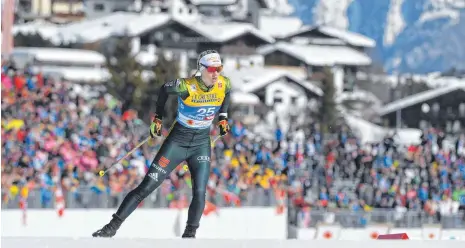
(199, 100)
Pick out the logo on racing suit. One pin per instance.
(158, 168)
(205, 98)
(203, 158)
(154, 176)
(163, 162)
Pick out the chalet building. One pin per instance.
(276, 88)
(312, 49)
(236, 41)
(55, 10)
(442, 107)
(330, 35)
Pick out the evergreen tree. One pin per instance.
(31, 40)
(36, 40)
(126, 81)
(165, 70)
(328, 114)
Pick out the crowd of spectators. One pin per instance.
(57, 137)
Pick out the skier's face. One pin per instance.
(210, 75)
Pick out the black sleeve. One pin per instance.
(223, 112)
(175, 87)
(161, 101)
(224, 107)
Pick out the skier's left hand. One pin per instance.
(156, 127)
(223, 125)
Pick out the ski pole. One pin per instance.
(214, 141)
(103, 172)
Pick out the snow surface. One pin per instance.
(332, 13)
(395, 22)
(46, 242)
(436, 9)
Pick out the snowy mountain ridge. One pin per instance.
(416, 36)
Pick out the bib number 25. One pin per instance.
(203, 112)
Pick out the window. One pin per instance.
(436, 108)
(158, 36)
(462, 109)
(423, 124)
(293, 101)
(99, 7)
(425, 108)
(456, 126)
(176, 37)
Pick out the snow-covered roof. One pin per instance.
(251, 79)
(359, 95)
(433, 80)
(134, 24)
(351, 38)
(91, 30)
(43, 28)
(221, 32)
(319, 55)
(61, 55)
(371, 133)
(213, 2)
(239, 97)
(279, 26)
(419, 98)
(77, 74)
(118, 23)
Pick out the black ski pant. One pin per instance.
(170, 155)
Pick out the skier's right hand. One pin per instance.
(156, 127)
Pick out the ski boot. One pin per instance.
(189, 232)
(109, 230)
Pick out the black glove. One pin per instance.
(156, 126)
(223, 125)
